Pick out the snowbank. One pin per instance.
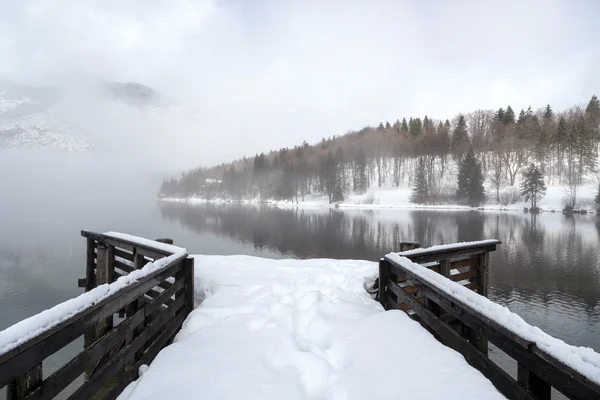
(301, 329)
(399, 197)
(583, 359)
(26, 329)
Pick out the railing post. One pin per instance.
(21, 387)
(188, 267)
(383, 278)
(89, 281)
(104, 275)
(476, 339)
(539, 388)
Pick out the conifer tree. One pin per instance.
(533, 186)
(470, 181)
(420, 193)
(460, 137)
(404, 125)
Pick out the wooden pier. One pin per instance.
(138, 317)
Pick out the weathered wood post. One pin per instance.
(383, 278)
(21, 387)
(481, 263)
(104, 274)
(188, 267)
(539, 388)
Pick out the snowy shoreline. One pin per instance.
(399, 198)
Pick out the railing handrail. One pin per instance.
(546, 366)
(437, 252)
(108, 239)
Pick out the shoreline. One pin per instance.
(349, 206)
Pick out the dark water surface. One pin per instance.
(547, 269)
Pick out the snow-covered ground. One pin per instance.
(301, 329)
(399, 197)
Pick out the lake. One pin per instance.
(547, 268)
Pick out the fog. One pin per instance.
(262, 75)
(236, 78)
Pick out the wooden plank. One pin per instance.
(533, 384)
(548, 368)
(163, 297)
(25, 384)
(464, 275)
(27, 355)
(59, 380)
(99, 379)
(467, 262)
(503, 382)
(123, 267)
(123, 254)
(157, 345)
(471, 285)
(435, 268)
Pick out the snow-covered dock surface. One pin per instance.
(301, 329)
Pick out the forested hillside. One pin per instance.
(426, 154)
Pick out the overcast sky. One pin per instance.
(266, 74)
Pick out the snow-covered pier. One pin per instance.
(288, 329)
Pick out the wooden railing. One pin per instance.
(121, 332)
(461, 327)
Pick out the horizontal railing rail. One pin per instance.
(152, 304)
(432, 295)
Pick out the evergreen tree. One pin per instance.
(460, 137)
(420, 193)
(470, 181)
(593, 106)
(533, 186)
(597, 198)
(360, 172)
(415, 127)
(387, 125)
(509, 116)
(548, 113)
(404, 125)
(380, 127)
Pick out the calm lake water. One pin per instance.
(547, 269)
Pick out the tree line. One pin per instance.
(425, 154)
